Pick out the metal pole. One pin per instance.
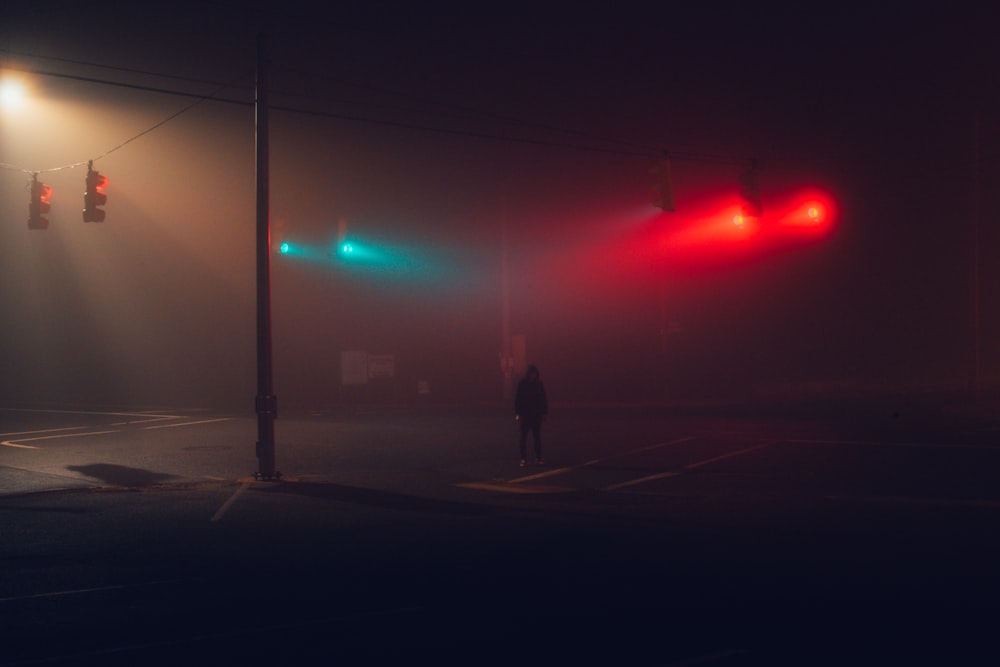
(976, 361)
(267, 402)
(506, 354)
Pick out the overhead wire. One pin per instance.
(635, 150)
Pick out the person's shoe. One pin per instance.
(540, 461)
(523, 463)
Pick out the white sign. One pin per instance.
(381, 366)
(353, 367)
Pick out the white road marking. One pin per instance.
(698, 464)
(11, 443)
(594, 462)
(100, 589)
(543, 475)
(44, 430)
(508, 486)
(202, 421)
(690, 466)
(229, 503)
(641, 480)
(149, 415)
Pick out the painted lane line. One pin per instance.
(595, 462)
(151, 414)
(43, 430)
(692, 466)
(11, 443)
(203, 421)
(146, 421)
(641, 480)
(542, 475)
(229, 503)
(99, 589)
(509, 487)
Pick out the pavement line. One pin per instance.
(81, 591)
(94, 412)
(641, 480)
(508, 487)
(10, 443)
(43, 430)
(229, 503)
(698, 464)
(203, 421)
(594, 462)
(690, 466)
(542, 475)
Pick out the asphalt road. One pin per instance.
(849, 534)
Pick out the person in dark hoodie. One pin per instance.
(531, 406)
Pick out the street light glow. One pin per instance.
(12, 94)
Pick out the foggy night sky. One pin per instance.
(430, 128)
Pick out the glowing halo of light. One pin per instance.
(12, 94)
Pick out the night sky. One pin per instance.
(434, 131)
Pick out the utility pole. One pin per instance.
(975, 372)
(267, 402)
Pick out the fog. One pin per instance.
(444, 159)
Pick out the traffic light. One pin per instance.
(750, 192)
(94, 196)
(39, 204)
(664, 185)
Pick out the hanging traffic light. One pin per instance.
(750, 192)
(39, 204)
(664, 185)
(94, 196)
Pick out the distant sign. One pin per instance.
(381, 366)
(353, 367)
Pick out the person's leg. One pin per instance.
(523, 440)
(536, 433)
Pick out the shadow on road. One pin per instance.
(117, 475)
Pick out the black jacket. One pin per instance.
(530, 401)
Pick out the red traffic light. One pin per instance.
(39, 204)
(94, 196)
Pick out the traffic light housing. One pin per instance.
(39, 204)
(750, 192)
(664, 185)
(94, 195)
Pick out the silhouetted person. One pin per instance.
(530, 407)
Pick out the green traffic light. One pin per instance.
(284, 248)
